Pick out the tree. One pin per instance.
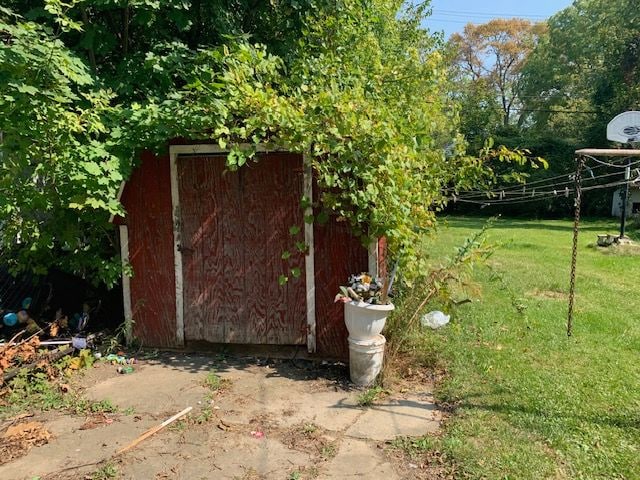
(58, 181)
(481, 114)
(134, 45)
(362, 92)
(586, 68)
(493, 54)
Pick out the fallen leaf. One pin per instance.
(54, 329)
(18, 439)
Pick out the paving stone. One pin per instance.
(71, 446)
(358, 459)
(290, 401)
(151, 388)
(412, 416)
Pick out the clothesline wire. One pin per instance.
(519, 190)
(568, 175)
(541, 196)
(615, 165)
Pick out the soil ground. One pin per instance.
(251, 419)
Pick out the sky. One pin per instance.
(451, 15)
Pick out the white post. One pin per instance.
(373, 257)
(177, 254)
(309, 264)
(126, 282)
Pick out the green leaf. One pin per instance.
(92, 168)
(295, 272)
(322, 218)
(22, 88)
(305, 203)
(286, 255)
(282, 279)
(294, 230)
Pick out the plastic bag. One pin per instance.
(435, 319)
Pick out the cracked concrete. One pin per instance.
(269, 420)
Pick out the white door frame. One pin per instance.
(126, 280)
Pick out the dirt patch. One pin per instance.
(18, 439)
(412, 461)
(403, 374)
(630, 249)
(312, 439)
(548, 294)
(95, 421)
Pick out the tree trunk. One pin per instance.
(90, 51)
(125, 29)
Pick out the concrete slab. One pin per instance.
(412, 416)
(264, 458)
(152, 388)
(281, 399)
(206, 453)
(358, 459)
(72, 446)
(290, 400)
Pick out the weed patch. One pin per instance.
(414, 447)
(369, 396)
(29, 392)
(215, 383)
(312, 439)
(108, 471)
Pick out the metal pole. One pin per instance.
(627, 176)
(574, 255)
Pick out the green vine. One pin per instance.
(363, 94)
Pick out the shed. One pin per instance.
(633, 201)
(206, 248)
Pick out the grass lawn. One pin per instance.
(531, 403)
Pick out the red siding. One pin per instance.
(338, 254)
(147, 200)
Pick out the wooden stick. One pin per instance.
(385, 291)
(10, 342)
(147, 434)
(154, 430)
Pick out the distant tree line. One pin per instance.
(550, 87)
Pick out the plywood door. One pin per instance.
(235, 227)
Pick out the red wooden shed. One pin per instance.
(206, 245)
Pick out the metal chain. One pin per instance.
(574, 254)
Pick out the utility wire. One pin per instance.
(548, 110)
(485, 14)
(464, 22)
(489, 203)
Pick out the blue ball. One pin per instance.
(10, 319)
